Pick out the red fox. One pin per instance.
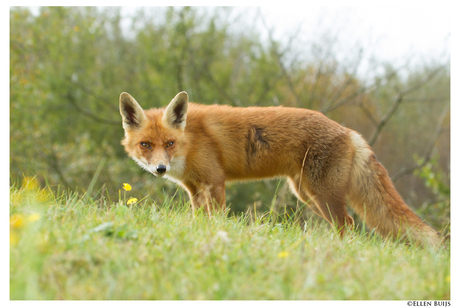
(200, 147)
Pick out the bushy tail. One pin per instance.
(374, 198)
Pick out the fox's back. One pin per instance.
(246, 138)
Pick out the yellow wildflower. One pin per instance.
(30, 183)
(44, 195)
(448, 278)
(16, 220)
(127, 186)
(131, 201)
(283, 254)
(33, 217)
(13, 238)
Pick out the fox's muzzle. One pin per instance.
(161, 169)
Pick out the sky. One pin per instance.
(390, 33)
(393, 32)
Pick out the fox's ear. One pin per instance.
(175, 114)
(131, 112)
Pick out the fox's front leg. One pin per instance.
(211, 196)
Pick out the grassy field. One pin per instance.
(69, 246)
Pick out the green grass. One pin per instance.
(76, 247)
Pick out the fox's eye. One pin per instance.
(170, 144)
(144, 144)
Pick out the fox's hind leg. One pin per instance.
(328, 206)
(299, 192)
(333, 209)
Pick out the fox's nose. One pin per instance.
(161, 169)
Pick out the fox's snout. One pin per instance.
(158, 170)
(161, 169)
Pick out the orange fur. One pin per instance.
(323, 161)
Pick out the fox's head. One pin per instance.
(153, 138)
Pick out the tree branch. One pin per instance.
(278, 56)
(345, 85)
(319, 73)
(362, 90)
(397, 102)
(347, 99)
(368, 113)
(428, 150)
(385, 119)
(88, 91)
(88, 113)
